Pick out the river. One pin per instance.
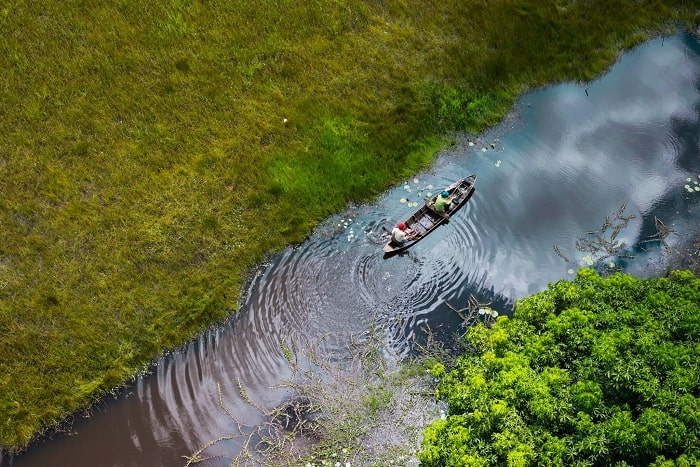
(566, 156)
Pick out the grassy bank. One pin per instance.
(151, 153)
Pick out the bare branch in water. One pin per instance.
(662, 232)
(475, 309)
(597, 243)
(561, 255)
(334, 405)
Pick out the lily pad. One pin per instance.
(488, 311)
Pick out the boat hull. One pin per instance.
(425, 220)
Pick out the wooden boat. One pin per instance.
(426, 219)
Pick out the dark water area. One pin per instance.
(565, 158)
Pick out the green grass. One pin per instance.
(146, 164)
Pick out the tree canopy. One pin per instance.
(599, 371)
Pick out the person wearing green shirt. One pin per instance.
(442, 203)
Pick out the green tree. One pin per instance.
(594, 372)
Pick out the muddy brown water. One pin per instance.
(565, 158)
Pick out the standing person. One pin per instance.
(442, 203)
(400, 234)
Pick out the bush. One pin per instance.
(598, 371)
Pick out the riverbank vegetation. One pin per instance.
(598, 371)
(151, 153)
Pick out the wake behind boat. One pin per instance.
(426, 219)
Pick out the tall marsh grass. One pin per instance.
(152, 152)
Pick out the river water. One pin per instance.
(566, 157)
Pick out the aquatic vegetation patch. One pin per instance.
(357, 409)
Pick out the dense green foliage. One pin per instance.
(152, 152)
(594, 372)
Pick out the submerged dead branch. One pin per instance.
(561, 255)
(601, 245)
(604, 248)
(345, 408)
(662, 232)
(475, 310)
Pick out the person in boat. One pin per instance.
(401, 234)
(442, 203)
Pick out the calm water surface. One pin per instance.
(566, 157)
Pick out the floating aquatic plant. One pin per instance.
(488, 311)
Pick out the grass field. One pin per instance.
(152, 152)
